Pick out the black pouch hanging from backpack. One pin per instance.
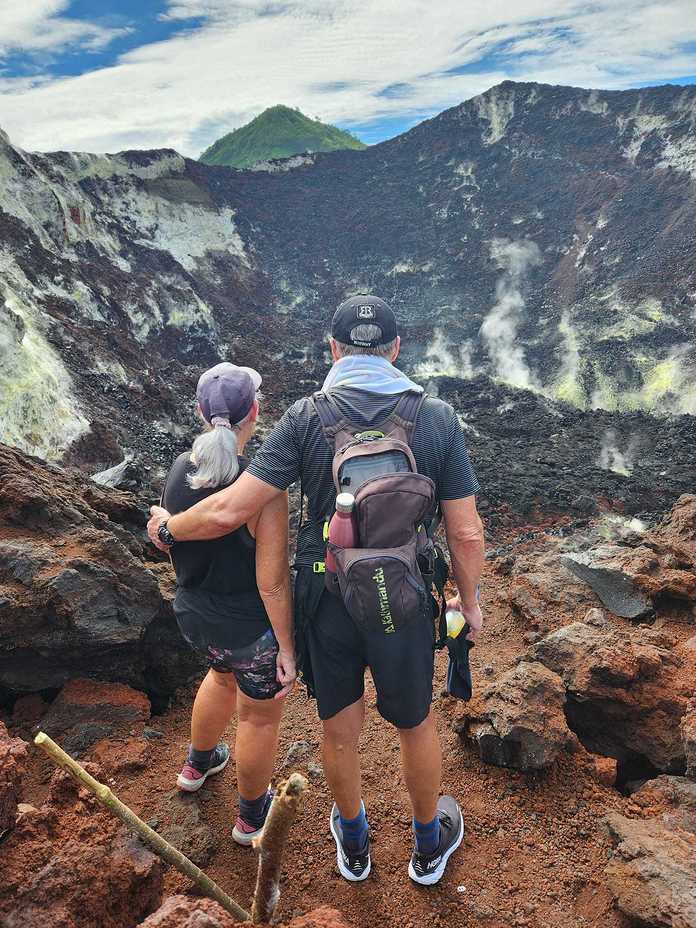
(309, 588)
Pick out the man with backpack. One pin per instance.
(400, 461)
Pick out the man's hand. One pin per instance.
(286, 673)
(471, 613)
(158, 515)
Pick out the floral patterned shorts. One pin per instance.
(253, 666)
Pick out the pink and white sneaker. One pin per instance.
(191, 779)
(243, 832)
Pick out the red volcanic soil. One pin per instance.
(535, 846)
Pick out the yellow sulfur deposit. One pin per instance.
(38, 412)
(665, 377)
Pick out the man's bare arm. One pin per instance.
(219, 514)
(464, 531)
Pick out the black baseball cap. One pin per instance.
(228, 391)
(364, 310)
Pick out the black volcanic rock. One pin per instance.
(78, 596)
(535, 457)
(614, 587)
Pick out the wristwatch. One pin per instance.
(164, 535)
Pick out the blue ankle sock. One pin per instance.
(254, 811)
(200, 759)
(427, 836)
(354, 830)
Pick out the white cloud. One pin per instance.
(38, 26)
(333, 60)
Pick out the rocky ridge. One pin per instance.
(624, 689)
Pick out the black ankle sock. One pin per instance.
(254, 811)
(200, 759)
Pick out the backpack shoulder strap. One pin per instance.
(406, 412)
(336, 428)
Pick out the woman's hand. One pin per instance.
(286, 672)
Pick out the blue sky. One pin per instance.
(108, 75)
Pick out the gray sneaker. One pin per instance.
(428, 869)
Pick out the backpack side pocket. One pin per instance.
(382, 589)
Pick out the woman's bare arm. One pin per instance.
(273, 580)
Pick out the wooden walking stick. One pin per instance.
(165, 850)
(284, 808)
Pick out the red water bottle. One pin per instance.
(343, 532)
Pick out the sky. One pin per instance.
(107, 75)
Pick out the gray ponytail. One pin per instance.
(215, 455)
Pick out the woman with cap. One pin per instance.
(233, 603)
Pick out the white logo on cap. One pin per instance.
(366, 312)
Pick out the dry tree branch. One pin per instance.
(165, 850)
(284, 808)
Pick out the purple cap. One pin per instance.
(228, 391)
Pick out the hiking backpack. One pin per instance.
(385, 583)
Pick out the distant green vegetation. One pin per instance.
(278, 132)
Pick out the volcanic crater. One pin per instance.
(537, 245)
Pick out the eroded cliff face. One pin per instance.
(539, 236)
(108, 267)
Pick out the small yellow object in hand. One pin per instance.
(455, 622)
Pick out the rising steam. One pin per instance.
(611, 458)
(499, 328)
(441, 360)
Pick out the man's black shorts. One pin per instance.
(401, 664)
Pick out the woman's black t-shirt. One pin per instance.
(217, 600)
